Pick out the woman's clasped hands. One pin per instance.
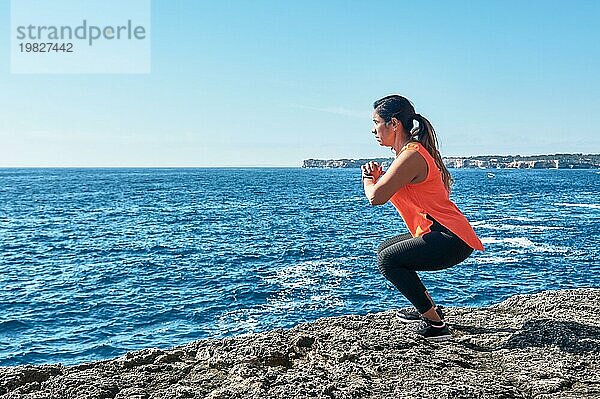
(372, 170)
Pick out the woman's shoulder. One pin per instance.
(410, 161)
(417, 146)
(413, 146)
(415, 149)
(412, 149)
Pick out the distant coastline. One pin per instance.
(554, 161)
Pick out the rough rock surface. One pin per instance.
(543, 346)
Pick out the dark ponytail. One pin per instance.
(396, 106)
(425, 134)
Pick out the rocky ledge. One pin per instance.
(545, 345)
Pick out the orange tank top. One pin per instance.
(430, 197)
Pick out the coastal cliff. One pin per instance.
(554, 161)
(545, 345)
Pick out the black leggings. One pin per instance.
(400, 257)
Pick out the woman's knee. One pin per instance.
(383, 263)
(383, 245)
(386, 263)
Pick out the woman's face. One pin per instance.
(384, 134)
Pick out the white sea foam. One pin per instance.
(307, 273)
(495, 259)
(238, 320)
(517, 241)
(351, 199)
(529, 227)
(590, 206)
(519, 219)
(328, 300)
(485, 225)
(302, 288)
(513, 227)
(525, 245)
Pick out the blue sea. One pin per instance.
(98, 262)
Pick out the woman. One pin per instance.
(418, 185)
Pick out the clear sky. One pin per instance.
(270, 83)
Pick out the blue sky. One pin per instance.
(266, 83)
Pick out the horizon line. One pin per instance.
(258, 166)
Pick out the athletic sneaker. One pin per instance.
(413, 316)
(434, 333)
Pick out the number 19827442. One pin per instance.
(46, 47)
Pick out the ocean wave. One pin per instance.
(525, 243)
(239, 321)
(7, 326)
(286, 302)
(302, 286)
(308, 273)
(518, 241)
(589, 206)
(496, 259)
(351, 199)
(519, 218)
(328, 300)
(513, 227)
